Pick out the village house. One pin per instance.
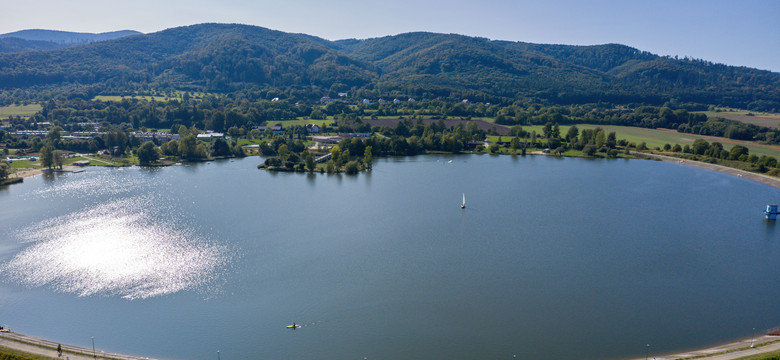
(163, 137)
(208, 135)
(276, 129)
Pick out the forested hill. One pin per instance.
(229, 57)
(438, 63)
(215, 57)
(13, 44)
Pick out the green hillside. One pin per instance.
(230, 58)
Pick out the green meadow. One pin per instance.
(159, 97)
(19, 110)
(657, 138)
(301, 122)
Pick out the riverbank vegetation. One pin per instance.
(141, 130)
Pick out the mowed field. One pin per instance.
(19, 110)
(178, 96)
(658, 137)
(300, 122)
(748, 117)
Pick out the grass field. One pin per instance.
(11, 354)
(301, 122)
(19, 110)
(745, 116)
(657, 138)
(179, 95)
(18, 165)
(767, 356)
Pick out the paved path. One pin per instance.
(739, 349)
(48, 348)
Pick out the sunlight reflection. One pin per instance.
(115, 249)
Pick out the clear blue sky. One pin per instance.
(734, 32)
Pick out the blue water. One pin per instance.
(552, 258)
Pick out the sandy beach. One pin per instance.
(26, 173)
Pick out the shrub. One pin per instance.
(352, 167)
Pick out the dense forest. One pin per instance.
(258, 63)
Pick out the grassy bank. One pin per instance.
(11, 354)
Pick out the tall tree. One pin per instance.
(220, 147)
(59, 158)
(147, 153)
(47, 156)
(5, 169)
(572, 134)
(188, 147)
(368, 158)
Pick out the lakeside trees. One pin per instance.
(420, 127)
(5, 170)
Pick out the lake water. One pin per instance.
(552, 258)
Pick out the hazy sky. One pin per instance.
(735, 32)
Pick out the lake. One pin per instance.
(552, 258)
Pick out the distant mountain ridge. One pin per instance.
(67, 37)
(232, 57)
(32, 40)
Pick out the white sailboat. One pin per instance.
(463, 204)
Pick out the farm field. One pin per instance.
(19, 110)
(756, 118)
(178, 96)
(301, 122)
(658, 137)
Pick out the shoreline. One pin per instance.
(748, 347)
(764, 179)
(764, 344)
(33, 172)
(46, 348)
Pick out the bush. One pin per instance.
(589, 150)
(352, 167)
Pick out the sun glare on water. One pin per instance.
(114, 249)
